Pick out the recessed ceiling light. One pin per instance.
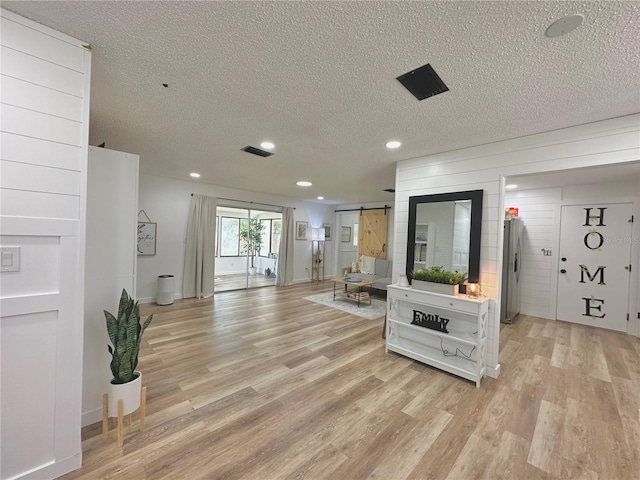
(511, 186)
(320, 198)
(267, 145)
(564, 25)
(304, 183)
(195, 175)
(393, 144)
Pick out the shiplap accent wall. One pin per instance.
(539, 211)
(44, 108)
(484, 167)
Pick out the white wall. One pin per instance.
(112, 201)
(540, 210)
(484, 167)
(166, 201)
(43, 157)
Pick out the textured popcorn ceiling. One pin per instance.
(318, 80)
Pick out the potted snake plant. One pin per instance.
(125, 333)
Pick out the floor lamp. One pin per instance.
(317, 254)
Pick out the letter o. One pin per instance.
(586, 241)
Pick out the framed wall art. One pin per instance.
(301, 230)
(328, 230)
(146, 244)
(345, 234)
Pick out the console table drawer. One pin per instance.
(437, 300)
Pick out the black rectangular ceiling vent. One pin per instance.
(256, 151)
(390, 190)
(423, 82)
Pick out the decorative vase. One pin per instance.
(402, 281)
(129, 393)
(443, 288)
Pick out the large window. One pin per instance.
(230, 244)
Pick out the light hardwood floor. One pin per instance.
(266, 385)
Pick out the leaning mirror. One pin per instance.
(444, 231)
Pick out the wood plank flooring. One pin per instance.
(266, 385)
(225, 283)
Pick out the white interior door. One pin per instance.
(594, 270)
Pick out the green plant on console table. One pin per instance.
(125, 333)
(439, 275)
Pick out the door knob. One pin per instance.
(563, 271)
(564, 259)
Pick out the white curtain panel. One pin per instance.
(200, 253)
(284, 273)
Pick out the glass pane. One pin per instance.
(275, 236)
(264, 246)
(244, 224)
(355, 234)
(229, 237)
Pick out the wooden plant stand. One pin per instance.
(122, 419)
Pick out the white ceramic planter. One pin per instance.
(253, 270)
(128, 392)
(443, 288)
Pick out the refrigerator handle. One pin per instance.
(516, 269)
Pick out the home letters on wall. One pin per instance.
(595, 264)
(593, 303)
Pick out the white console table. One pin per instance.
(461, 352)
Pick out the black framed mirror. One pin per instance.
(444, 231)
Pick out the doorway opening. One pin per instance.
(550, 262)
(247, 244)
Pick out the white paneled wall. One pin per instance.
(44, 104)
(539, 210)
(483, 167)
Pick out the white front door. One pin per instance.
(595, 265)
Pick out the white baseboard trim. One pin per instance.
(54, 469)
(91, 417)
(493, 372)
(153, 299)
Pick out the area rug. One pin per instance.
(376, 310)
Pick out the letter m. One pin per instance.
(600, 270)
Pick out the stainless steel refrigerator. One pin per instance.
(511, 270)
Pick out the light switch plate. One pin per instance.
(10, 259)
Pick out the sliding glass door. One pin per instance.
(247, 243)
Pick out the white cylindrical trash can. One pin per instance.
(165, 290)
